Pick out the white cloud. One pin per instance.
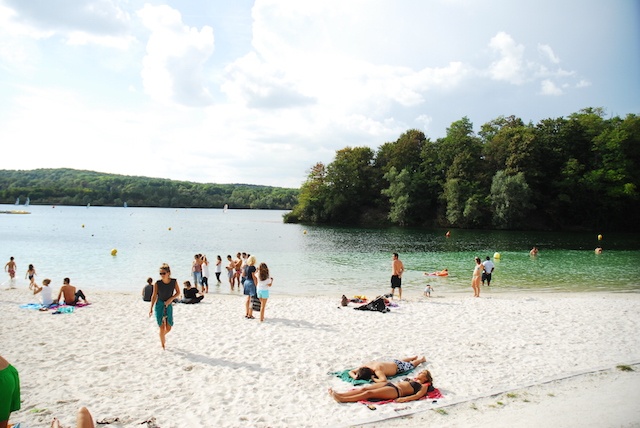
(547, 87)
(173, 67)
(583, 83)
(548, 53)
(510, 67)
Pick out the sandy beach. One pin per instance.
(500, 360)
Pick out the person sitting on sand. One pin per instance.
(378, 371)
(45, 292)
(401, 392)
(71, 296)
(190, 294)
(147, 290)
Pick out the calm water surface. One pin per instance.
(304, 260)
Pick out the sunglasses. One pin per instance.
(164, 273)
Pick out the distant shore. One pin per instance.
(493, 358)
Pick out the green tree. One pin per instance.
(510, 199)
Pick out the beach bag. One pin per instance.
(255, 303)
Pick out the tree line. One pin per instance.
(578, 172)
(75, 187)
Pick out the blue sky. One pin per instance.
(259, 91)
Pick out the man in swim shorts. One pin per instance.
(397, 268)
(9, 391)
(10, 268)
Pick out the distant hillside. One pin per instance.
(76, 187)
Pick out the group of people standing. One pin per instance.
(255, 280)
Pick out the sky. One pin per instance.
(257, 92)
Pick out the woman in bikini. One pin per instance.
(401, 392)
(378, 371)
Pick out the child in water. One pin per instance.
(427, 290)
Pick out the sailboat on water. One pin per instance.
(27, 202)
(17, 201)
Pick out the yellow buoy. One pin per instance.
(599, 237)
(496, 255)
(304, 233)
(169, 228)
(83, 226)
(114, 252)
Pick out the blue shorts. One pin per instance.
(9, 392)
(263, 294)
(160, 313)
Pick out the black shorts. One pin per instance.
(396, 281)
(486, 277)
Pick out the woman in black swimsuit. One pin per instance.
(401, 392)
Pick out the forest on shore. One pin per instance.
(77, 187)
(581, 172)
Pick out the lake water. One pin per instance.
(76, 242)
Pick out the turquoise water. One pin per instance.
(77, 242)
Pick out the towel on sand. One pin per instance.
(344, 375)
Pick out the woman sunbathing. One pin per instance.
(379, 370)
(401, 392)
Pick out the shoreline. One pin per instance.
(222, 370)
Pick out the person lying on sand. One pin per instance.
(379, 370)
(401, 392)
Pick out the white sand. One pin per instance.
(220, 369)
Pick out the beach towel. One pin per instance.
(344, 375)
(377, 304)
(54, 306)
(432, 394)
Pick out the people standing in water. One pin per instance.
(165, 291)
(475, 279)
(488, 268)
(205, 274)
(238, 269)
(196, 270)
(397, 268)
(10, 268)
(31, 275)
(218, 268)
(231, 270)
(250, 286)
(534, 251)
(264, 283)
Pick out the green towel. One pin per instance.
(344, 375)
